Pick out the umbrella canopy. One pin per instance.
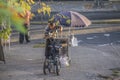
(71, 18)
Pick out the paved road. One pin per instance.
(109, 11)
(106, 42)
(37, 31)
(96, 54)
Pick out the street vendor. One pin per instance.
(50, 32)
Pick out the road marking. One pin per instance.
(80, 41)
(29, 59)
(95, 36)
(118, 41)
(104, 45)
(105, 54)
(90, 38)
(107, 35)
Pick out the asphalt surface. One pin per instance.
(96, 54)
(101, 40)
(86, 8)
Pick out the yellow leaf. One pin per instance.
(39, 10)
(32, 1)
(28, 1)
(43, 4)
(32, 14)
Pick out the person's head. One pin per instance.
(51, 25)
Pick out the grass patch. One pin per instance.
(113, 76)
(104, 77)
(110, 21)
(39, 45)
(115, 72)
(38, 23)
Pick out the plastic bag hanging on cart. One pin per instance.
(74, 41)
(64, 61)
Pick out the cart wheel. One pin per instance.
(57, 68)
(49, 67)
(45, 67)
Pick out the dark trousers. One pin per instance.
(47, 49)
(25, 36)
(22, 36)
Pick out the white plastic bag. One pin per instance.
(64, 61)
(74, 41)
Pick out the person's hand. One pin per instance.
(44, 37)
(61, 29)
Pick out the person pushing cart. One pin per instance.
(55, 47)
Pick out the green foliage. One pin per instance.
(45, 9)
(7, 17)
(9, 10)
(5, 33)
(40, 45)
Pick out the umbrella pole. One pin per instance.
(73, 28)
(69, 31)
(69, 35)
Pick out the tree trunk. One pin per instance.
(2, 58)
